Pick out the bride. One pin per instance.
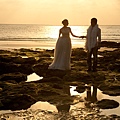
(62, 53)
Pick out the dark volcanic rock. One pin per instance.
(17, 102)
(17, 59)
(85, 77)
(48, 93)
(26, 50)
(52, 80)
(18, 77)
(26, 69)
(114, 67)
(20, 60)
(110, 44)
(79, 53)
(77, 76)
(12, 67)
(42, 70)
(107, 104)
(55, 85)
(111, 85)
(6, 58)
(51, 90)
(80, 88)
(115, 92)
(8, 67)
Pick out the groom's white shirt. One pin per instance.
(93, 37)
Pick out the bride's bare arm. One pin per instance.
(75, 35)
(59, 32)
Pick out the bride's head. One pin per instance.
(65, 22)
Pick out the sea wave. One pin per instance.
(26, 39)
(50, 39)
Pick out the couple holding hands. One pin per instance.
(62, 52)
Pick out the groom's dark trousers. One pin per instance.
(89, 58)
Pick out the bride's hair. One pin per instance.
(65, 21)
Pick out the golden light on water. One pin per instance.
(53, 32)
(79, 30)
(39, 36)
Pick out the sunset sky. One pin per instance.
(52, 12)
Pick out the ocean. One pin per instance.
(44, 36)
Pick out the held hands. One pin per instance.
(82, 37)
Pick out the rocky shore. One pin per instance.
(17, 94)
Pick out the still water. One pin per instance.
(99, 96)
(36, 110)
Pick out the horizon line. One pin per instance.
(53, 25)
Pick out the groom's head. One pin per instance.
(93, 22)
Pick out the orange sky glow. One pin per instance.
(52, 12)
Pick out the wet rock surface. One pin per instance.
(17, 94)
(18, 77)
(107, 104)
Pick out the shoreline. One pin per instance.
(49, 45)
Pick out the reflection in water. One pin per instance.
(98, 56)
(91, 95)
(111, 111)
(24, 56)
(60, 107)
(43, 106)
(50, 107)
(64, 107)
(72, 91)
(33, 77)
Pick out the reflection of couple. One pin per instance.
(91, 97)
(62, 53)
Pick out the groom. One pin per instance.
(93, 40)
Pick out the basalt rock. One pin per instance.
(20, 60)
(80, 88)
(115, 67)
(110, 86)
(12, 68)
(110, 44)
(8, 67)
(42, 70)
(18, 77)
(107, 104)
(17, 102)
(15, 93)
(17, 59)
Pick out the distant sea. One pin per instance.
(20, 35)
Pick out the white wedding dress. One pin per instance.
(62, 53)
